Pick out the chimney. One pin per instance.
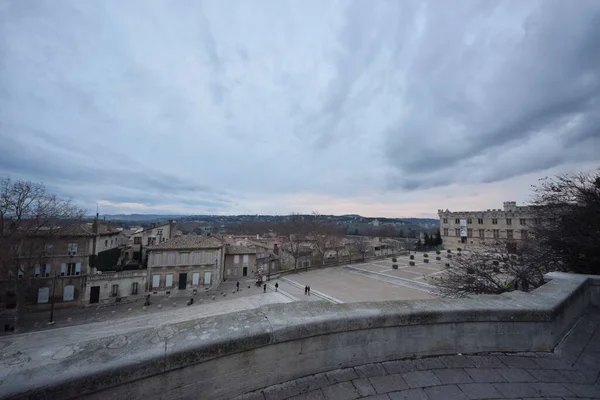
(171, 228)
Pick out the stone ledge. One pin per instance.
(255, 348)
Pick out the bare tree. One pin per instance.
(494, 269)
(567, 210)
(362, 245)
(30, 219)
(322, 234)
(295, 230)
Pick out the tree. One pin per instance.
(295, 229)
(30, 220)
(438, 238)
(362, 245)
(319, 232)
(492, 269)
(567, 211)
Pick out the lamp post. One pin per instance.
(52, 300)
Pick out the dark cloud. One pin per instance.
(267, 105)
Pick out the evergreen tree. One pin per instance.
(438, 238)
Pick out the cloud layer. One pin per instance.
(380, 108)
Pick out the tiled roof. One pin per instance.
(189, 242)
(239, 250)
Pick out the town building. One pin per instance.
(116, 286)
(468, 229)
(240, 261)
(68, 257)
(141, 238)
(186, 262)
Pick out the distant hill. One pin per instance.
(271, 218)
(140, 217)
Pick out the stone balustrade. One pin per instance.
(223, 356)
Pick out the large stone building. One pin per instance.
(476, 228)
(61, 269)
(185, 262)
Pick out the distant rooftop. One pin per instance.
(189, 242)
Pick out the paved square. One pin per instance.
(371, 281)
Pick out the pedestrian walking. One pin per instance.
(305, 290)
(276, 286)
(237, 285)
(309, 290)
(265, 288)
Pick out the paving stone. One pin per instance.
(314, 395)
(312, 382)
(341, 375)
(364, 387)
(281, 391)
(516, 375)
(344, 390)
(588, 364)
(417, 379)
(368, 370)
(452, 376)
(547, 375)
(575, 377)
(445, 392)
(410, 394)
(457, 361)
(592, 391)
(429, 363)
(399, 366)
(251, 396)
(480, 390)
(485, 375)
(377, 397)
(486, 362)
(551, 389)
(388, 383)
(552, 363)
(515, 390)
(543, 398)
(519, 362)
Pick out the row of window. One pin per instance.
(236, 259)
(156, 279)
(522, 221)
(66, 269)
(135, 288)
(193, 258)
(495, 233)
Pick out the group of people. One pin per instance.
(265, 287)
(307, 290)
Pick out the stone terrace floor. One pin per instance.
(570, 372)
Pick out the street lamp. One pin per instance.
(52, 300)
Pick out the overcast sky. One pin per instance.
(380, 108)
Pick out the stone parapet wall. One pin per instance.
(224, 356)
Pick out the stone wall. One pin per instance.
(223, 356)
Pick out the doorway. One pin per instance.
(94, 294)
(245, 271)
(182, 281)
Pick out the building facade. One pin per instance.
(240, 261)
(142, 238)
(186, 262)
(115, 286)
(468, 229)
(61, 270)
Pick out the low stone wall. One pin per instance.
(223, 356)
